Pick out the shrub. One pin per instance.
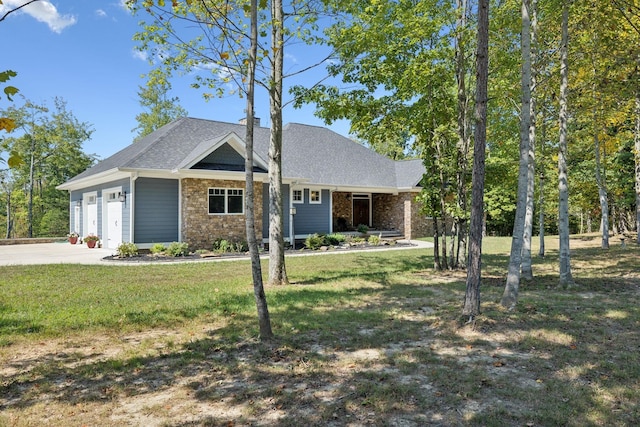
(157, 248)
(355, 240)
(314, 241)
(222, 246)
(362, 229)
(177, 249)
(374, 240)
(335, 238)
(127, 249)
(241, 247)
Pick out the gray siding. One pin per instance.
(156, 210)
(313, 218)
(265, 210)
(224, 155)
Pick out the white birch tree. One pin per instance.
(566, 278)
(510, 295)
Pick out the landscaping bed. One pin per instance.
(144, 256)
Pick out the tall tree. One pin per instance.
(526, 265)
(277, 270)
(463, 134)
(160, 109)
(49, 142)
(264, 320)
(636, 139)
(510, 295)
(566, 277)
(471, 306)
(402, 64)
(218, 45)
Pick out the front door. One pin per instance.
(114, 224)
(361, 211)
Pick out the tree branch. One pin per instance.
(16, 9)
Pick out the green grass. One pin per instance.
(361, 338)
(52, 300)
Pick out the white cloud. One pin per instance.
(101, 13)
(140, 55)
(43, 11)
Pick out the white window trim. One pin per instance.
(297, 202)
(315, 202)
(226, 201)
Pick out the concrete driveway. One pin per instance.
(51, 253)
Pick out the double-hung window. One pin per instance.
(226, 201)
(315, 196)
(298, 196)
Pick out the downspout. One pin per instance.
(180, 209)
(331, 209)
(292, 231)
(132, 205)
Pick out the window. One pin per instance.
(314, 196)
(226, 201)
(298, 196)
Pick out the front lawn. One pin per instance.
(362, 339)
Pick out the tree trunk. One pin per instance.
(437, 265)
(9, 217)
(566, 278)
(602, 189)
(463, 138)
(443, 204)
(32, 168)
(510, 295)
(526, 268)
(471, 306)
(250, 221)
(636, 139)
(541, 212)
(277, 270)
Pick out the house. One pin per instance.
(185, 182)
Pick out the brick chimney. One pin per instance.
(256, 121)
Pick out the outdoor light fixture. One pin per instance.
(123, 196)
(79, 203)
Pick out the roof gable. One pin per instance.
(315, 154)
(228, 150)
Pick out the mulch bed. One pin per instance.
(145, 257)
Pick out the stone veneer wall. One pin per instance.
(400, 212)
(342, 208)
(199, 229)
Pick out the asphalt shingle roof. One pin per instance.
(317, 154)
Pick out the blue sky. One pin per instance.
(83, 52)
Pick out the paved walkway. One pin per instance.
(66, 253)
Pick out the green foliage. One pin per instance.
(374, 240)
(314, 241)
(157, 248)
(127, 249)
(335, 239)
(50, 140)
(9, 91)
(226, 246)
(362, 228)
(221, 41)
(54, 223)
(177, 249)
(160, 109)
(357, 240)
